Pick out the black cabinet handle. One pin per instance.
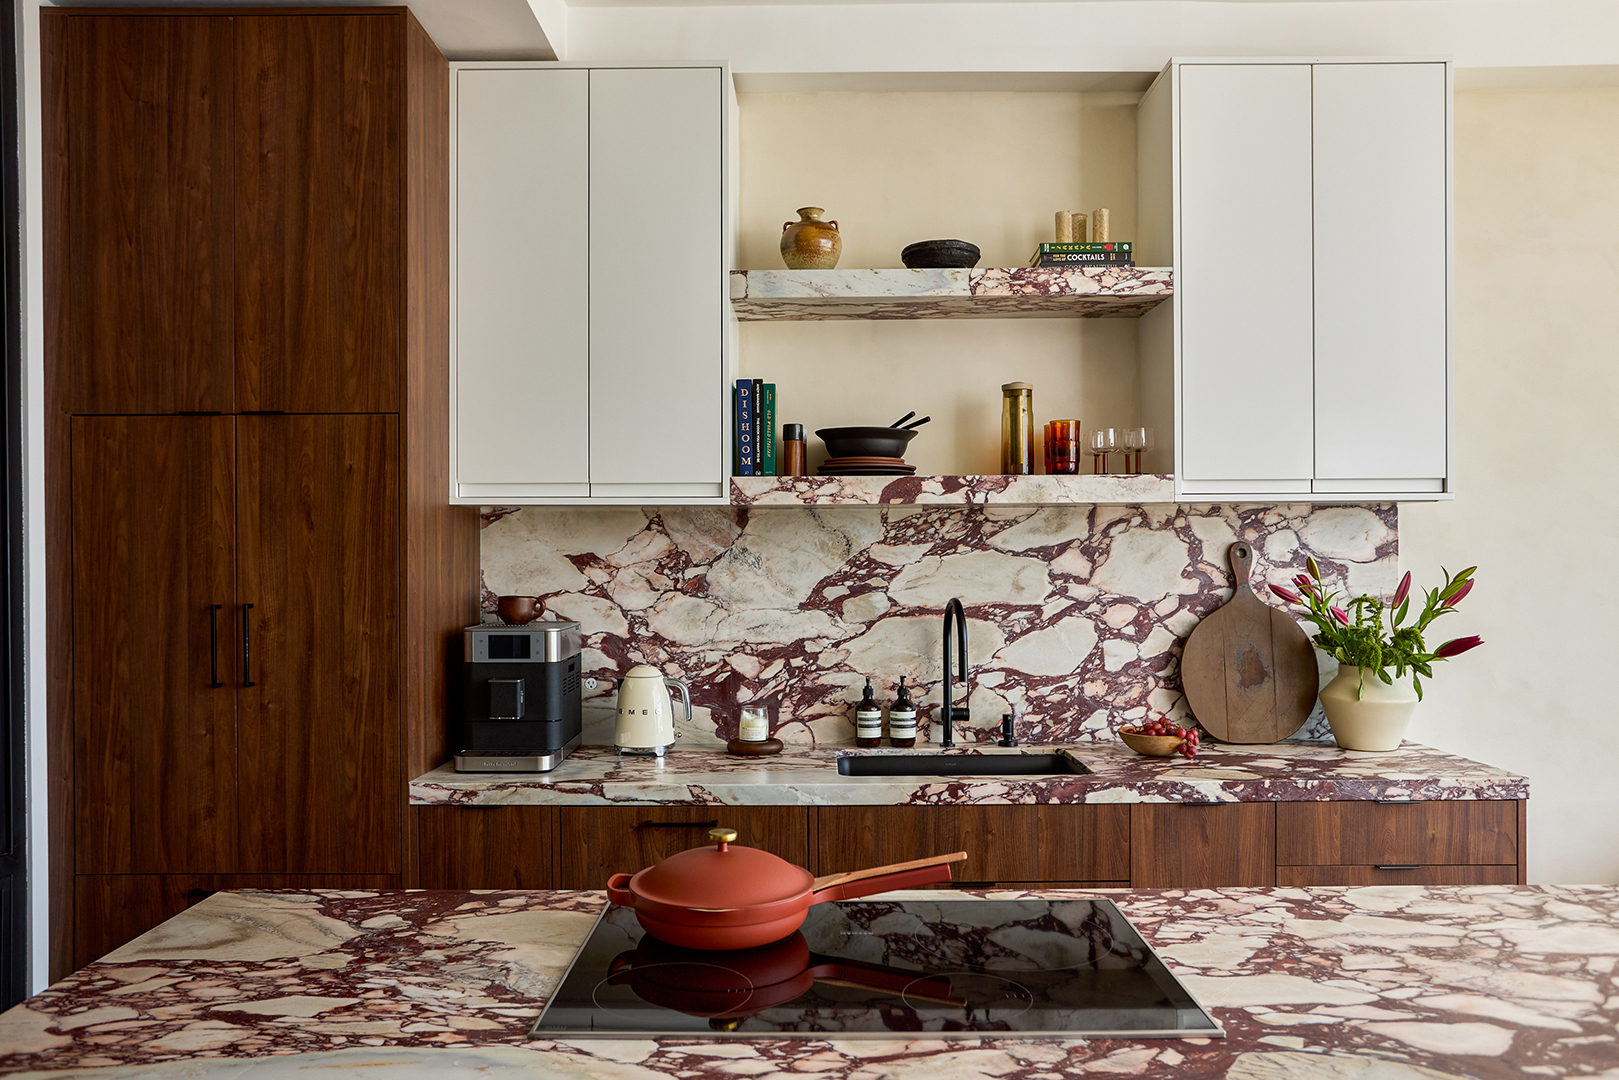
(213, 646)
(247, 645)
(1413, 866)
(680, 824)
(1205, 802)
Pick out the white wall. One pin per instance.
(1537, 442)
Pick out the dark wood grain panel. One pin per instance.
(1181, 846)
(1350, 833)
(487, 847)
(153, 525)
(1050, 843)
(1300, 876)
(441, 556)
(318, 206)
(117, 908)
(597, 842)
(137, 117)
(322, 789)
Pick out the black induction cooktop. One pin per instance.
(950, 967)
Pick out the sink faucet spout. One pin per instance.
(953, 613)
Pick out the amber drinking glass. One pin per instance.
(1063, 448)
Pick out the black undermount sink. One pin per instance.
(960, 765)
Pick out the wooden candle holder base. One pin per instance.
(753, 749)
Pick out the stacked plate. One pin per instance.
(866, 466)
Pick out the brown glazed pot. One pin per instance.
(810, 243)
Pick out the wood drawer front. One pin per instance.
(1294, 876)
(597, 842)
(1047, 843)
(494, 847)
(1192, 846)
(1466, 832)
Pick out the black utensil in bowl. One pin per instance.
(865, 441)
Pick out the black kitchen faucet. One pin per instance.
(948, 713)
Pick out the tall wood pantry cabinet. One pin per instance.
(246, 258)
(1305, 206)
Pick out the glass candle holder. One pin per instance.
(1063, 448)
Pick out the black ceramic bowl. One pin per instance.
(865, 441)
(939, 255)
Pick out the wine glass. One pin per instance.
(1136, 439)
(1104, 441)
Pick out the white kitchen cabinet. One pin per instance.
(590, 234)
(1305, 205)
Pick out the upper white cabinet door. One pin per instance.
(657, 282)
(1382, 255)
(522, 336)
(1244, 277)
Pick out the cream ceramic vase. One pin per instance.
(1375, 720)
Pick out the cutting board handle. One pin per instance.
(1242, 561)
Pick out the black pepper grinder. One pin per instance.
(793, 458)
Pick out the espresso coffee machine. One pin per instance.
(520, 692)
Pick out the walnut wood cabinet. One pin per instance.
(246, 218)
(1110, 845)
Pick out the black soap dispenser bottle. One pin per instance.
(902, 718)
(868, 720)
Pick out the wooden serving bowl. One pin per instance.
(1152, 745)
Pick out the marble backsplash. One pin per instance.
(1076, 615)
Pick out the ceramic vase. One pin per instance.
(810, 243)
(1373, 720)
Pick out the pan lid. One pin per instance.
(722, 877)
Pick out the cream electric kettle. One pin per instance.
(646, 721)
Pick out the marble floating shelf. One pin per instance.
(1096, 292)
(1086, 490)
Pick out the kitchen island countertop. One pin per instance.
(1404, 983)
(1281, 772)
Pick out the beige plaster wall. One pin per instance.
(1536, 363)
(991, 168)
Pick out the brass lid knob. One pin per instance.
(724, 836)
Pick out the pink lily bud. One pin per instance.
(1286, 594)
(1456, 597)
(1339, 614)
(1457, 646)
(1402, 592)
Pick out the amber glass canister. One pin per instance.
(1017, 429)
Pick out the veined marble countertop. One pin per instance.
(1384, 983)
(1283, 772)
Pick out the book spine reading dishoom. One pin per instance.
(745, 429)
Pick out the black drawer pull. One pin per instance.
(1204, 802)
(213, 646)
(680, 824)
(1412, 867)
(1397, 802)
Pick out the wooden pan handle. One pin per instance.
(1242, 561)
(847, 876)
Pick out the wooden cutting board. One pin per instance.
(1248, 669)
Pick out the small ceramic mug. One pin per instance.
(518, 609)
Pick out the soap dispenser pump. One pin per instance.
(902, 718)
(868, 719)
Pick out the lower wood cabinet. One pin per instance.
(596, 842)
(1050, 844)
(111, 909)
(1201, 846)
(1140, 845)
(487, 847)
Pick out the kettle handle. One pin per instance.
(685, 694)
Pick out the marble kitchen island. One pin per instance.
(1385, 982)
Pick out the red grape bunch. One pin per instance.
(1189, 737)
